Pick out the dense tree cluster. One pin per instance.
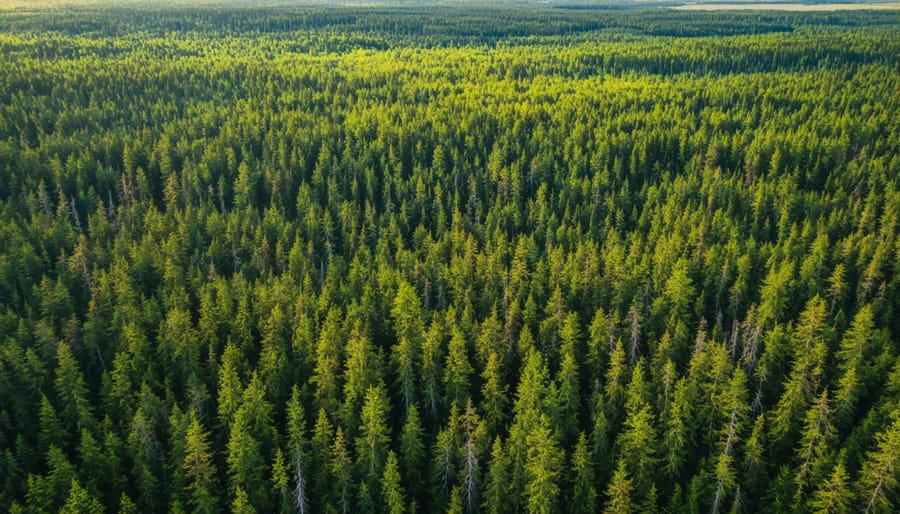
(356, 263)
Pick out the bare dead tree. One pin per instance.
(75, 218)
(634, 340)
(700, 341)
(470, 479)
(300, 488)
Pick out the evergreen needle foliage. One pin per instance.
(369, 259)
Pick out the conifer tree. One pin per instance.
(816, 440)
(618, 493)
(412, 450)
(543, 469)
(199, 468)
(457, 369)
(496, 489)
(878, 477)
(583, 497)
(409, 328)
(494, 393)
(374, 434)
(80, 502)
(76, 412)
(391, 490)
(341, 470)
(834, 495)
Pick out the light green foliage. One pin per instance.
(80, 502)
(341, 471)
(412, 444)
(618, 493)
(409, 329)
(496, 492)
(457, 368)
(391, 490)
(244, 459)
(543, 470)
(810, 343)
(584, 493)
(834, 495)
(199, 468)
(878, 479)
(374, 434)
(494, 393)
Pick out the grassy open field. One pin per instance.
(788, 7)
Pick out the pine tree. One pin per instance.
(878, 477)
(51, 431)
(568, 402)
(528, 410)
(583, 498)
(853, 355)
(494, 394)
(598, 346)
(725, 480)
(173, 468)
(230, 389)
(458, 369)
(678, 294)
(445, 454)
(281, 482)
(296, 432)
(614, 391)
(241, 503)
(326, 375)
(834, 495)
(126, 505)
(754, 453)
(816, 440)
(341, 470)
(374, 434)
(80, 502)
(472, 434)
(46, 492)
(412, 450)
(490, 339)
(145, 454)
(637, 441)
(543, 469)
(732, 404)
(456, 504)
(618, 493)
(431, 368)
(810, 349)
(257, 413)
(71, 390)
(274, 364)
(199, 468)
(391, 490)
(360, 371)
(496, 489)
(409, 328)
(245, 462)
(676, 435)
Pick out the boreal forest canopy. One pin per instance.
(449, 259)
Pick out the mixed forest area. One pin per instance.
(446, 259)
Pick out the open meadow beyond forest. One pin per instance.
(794, 7)
(449, 258)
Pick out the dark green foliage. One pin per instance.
(418, 259)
